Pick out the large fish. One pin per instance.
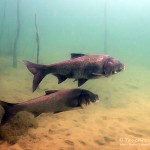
(81, 67)
(53, 101)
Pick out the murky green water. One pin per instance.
(119, 28)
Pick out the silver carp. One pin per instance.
(53, 101)
(80, 67)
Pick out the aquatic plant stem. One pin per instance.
(37, 40)
(17, 36)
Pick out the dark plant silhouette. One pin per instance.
(37, 40)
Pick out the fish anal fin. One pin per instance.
(60, 78)
(50, 92)
(76, 55)
(81, 81)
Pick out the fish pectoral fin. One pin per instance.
(76, 55)
(81, 81)
(97, 74)
(60, 78)
(50, 92)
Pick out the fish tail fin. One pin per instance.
(9, 113)
(39, 72)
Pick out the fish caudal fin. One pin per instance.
(39, 72)
(9, 113)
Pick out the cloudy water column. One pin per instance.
(17, 36)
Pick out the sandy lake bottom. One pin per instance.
(119, 121)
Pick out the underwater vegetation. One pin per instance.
(18, 126)
(37, 41)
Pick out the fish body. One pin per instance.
(80, 67)
(52, 101)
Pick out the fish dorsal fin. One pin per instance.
(50, 92)
(76, 55)
(81, 81)
(60, 78)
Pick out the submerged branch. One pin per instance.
(37, 40)
(17, 36)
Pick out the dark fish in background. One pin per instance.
(81, 67)
(53, 101)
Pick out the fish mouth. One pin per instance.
(120, 69)
(124, 68)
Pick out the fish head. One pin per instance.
(113, 66)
